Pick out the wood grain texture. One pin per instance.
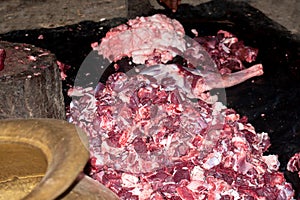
(30, 83)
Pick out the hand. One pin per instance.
(172, 4)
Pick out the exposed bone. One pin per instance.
(194, 82)
(228, 80)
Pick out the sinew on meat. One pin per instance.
(150, 139)
(294, 164)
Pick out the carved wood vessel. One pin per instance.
(44, 159)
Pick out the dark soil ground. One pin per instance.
(29, 14)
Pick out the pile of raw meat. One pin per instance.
(157, 133)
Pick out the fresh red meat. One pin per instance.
(227, 51)
(145, 156)
(294, 164)
(2, 58)
(145, 39)
(155, 134)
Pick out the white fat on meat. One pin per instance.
(286, 191)
(143, 191)
(232, 193)
(240, 143)
(129, 180)
(241, 164)
(78, 91)
(213, 159)
(272, 162)
(141, 37)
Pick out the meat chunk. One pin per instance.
(149, 140)
(158, 39)
(294, 163)
(152, 39)
(227, 51)
(153, 133)
(2, 58)
(196, 82)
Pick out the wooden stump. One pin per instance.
(30, 83)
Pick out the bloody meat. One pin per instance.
(227, 51)
(2, 58)
(156, 135)
(294, 163)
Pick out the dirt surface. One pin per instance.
(285, 12)
(30, 14)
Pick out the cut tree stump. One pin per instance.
(30, 83)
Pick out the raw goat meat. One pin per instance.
(227, 51)
(166, 39)
(63, 68)
(294, 164)
(154, 136)
(151, 142)
(2, 58)
(144, 39)
(196, 82)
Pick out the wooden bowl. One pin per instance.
(43, 159)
